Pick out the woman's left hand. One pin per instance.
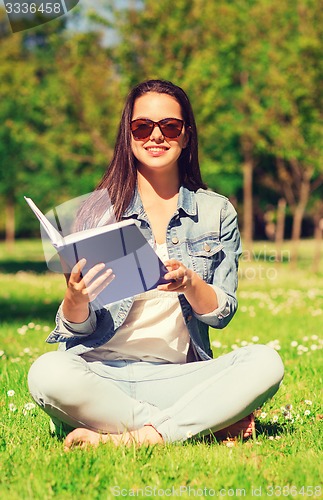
(181, 274)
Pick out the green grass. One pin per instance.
(277, 304)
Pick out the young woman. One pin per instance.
(141, 370)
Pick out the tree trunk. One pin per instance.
(247, 202)
(280, 227)
(10, 221)
(298, 219)
(318, 244)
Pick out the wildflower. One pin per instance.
(22, 330)
(29, 406)
(31, 325)
(288, 407)
(278, 437)
(46, 328)
(234, 346)
(275, 419)
(314, 337)
(308, 402)
(244, 343)
(12, 407)
(216, 343)
(15, 360)
(255, 338)
(229, 444)
(11, 393)
(305, 339)
(294, 343)
(274, 344)
(263, 414)
(313, 347)
(307, 412)
(1, 353)
(271, 438)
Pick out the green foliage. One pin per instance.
(252, 70)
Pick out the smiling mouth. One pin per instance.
(156, 149)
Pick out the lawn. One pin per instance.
(278, 305)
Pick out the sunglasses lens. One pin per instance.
(171, 128)
(141, 129)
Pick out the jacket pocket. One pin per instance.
(205, 254)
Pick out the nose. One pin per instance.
(156, 133)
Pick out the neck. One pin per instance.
(163, 184)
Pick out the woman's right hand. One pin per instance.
(84, 289)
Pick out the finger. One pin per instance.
(176, 274)
(171, 287)
(172, 263)
(97, 286)
(91, 273)
(83, 281)
(76, 272)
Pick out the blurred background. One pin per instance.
(252, 70)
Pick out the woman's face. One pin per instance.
(157, 151)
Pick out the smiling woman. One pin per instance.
(141, 370)
(163, 136)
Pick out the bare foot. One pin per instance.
(83, 438)
(243, 428)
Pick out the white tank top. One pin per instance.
(154, 329)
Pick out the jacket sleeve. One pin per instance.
(65, 329)
(225, 278)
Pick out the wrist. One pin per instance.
(200, 295)
(75, 312)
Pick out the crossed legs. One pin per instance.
(150, 403)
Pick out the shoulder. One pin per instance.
(214, 201)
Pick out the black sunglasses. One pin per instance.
(169, 127)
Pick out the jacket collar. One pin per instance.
(186, 202)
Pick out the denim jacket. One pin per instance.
(203, 234)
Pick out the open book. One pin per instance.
(121, 246)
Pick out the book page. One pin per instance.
(50, 230)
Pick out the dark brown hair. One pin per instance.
(120, 178)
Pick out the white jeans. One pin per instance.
(178, 400)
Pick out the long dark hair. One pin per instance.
(120, 178)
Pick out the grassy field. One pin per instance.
(279, 306)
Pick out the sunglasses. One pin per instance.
(169, 127)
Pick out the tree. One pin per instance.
(59, 108)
